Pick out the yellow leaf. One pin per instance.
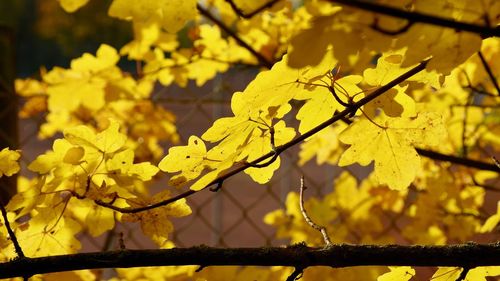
(122, 167)
(480, 273)
(395, 103)
(492, 221)
(389, 67)
(96, 219)
(29, 195)
(155, 223)
(391, 145)
(106, 57)
(71, 6)
(8, 162)
(73, 155)
(189, 160)
(324, 145)
(49, 233)
(108, 141)
(446, 274)
(398, 273)
(321, 105)
(171, 14)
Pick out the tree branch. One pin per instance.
(458, 160)
(489, 71)
(412, 16)
(262, 60)
(468, 255)
(12, 235)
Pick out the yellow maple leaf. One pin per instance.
(392, 145)
(189, 160)
(399, 273)
(49, 233)
(395, 103)
(171, 14)
(324, 145)
(108, 141)
(389, 67)
(123, 169)
(29, 195)
(8, 162)
(321, 105)
(95, 218)
(155, 223)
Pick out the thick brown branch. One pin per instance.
(300, 256)
(262, 60)
(413, 16)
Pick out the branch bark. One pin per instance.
(468, 255)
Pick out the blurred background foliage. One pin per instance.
(48, 36)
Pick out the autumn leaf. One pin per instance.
(108, 141)
(189, 160)
(8, 162)
(403, 273)
(155, 223)
(391, 145)
(172, 15)
(49, 233)
(71, 6)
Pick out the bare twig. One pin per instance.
(497, 163)
(17, 247)
(242, 14)
(417, 17)
(309, 221)
(489, 71)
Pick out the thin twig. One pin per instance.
(17, 247)
(413, 16)
(262, 60)
(497, 163)
(309, 221)
(242, 14)
(489, 71)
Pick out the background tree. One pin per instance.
(410, 87)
